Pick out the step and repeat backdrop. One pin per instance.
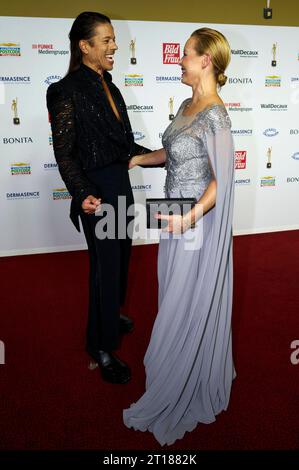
(261, 96)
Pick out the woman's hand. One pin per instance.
(90, 204)
(176, 223)
(133, 162)
(157, 157)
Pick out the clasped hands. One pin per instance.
(90, 204)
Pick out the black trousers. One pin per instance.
(109, 258)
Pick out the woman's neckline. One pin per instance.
(213, 105)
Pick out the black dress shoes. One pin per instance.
(112, 369)
(126, 325)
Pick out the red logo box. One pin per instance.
(171, 53)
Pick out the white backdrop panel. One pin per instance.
(262, 101)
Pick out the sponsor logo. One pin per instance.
(138, 135)
(46, 49)
(17, 140)
(242, 132)
(293, 179)
(134, 79)
(295, 79)
(10, 48)
(274, 107)
(273, 81)
(50, 166)
(171, 53)
(142, 187)
(240, 159)
(248, 54)
(294, 131)
(140, 108)
(22, 195)
(42, 46)
(295, 156)
(268, 181)
(61, 193)
(237, 107)
(168, 79)
(243, 182)
(239, 81)
(271, 132)
(20, 169)
(52, 79)
(15, 80)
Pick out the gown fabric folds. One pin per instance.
(188, 363)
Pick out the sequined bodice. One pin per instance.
(187, 163)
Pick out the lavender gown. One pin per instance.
(188, 363)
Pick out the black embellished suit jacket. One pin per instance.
(86, 132)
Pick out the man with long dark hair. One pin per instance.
(93, 142)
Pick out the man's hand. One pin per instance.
(90, 204)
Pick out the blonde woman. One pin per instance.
(189, 365)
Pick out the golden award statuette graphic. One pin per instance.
(269, 157)
(133, 49)
(274, 50)
(14, 108)
(170, 105)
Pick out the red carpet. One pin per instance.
(50, 400)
